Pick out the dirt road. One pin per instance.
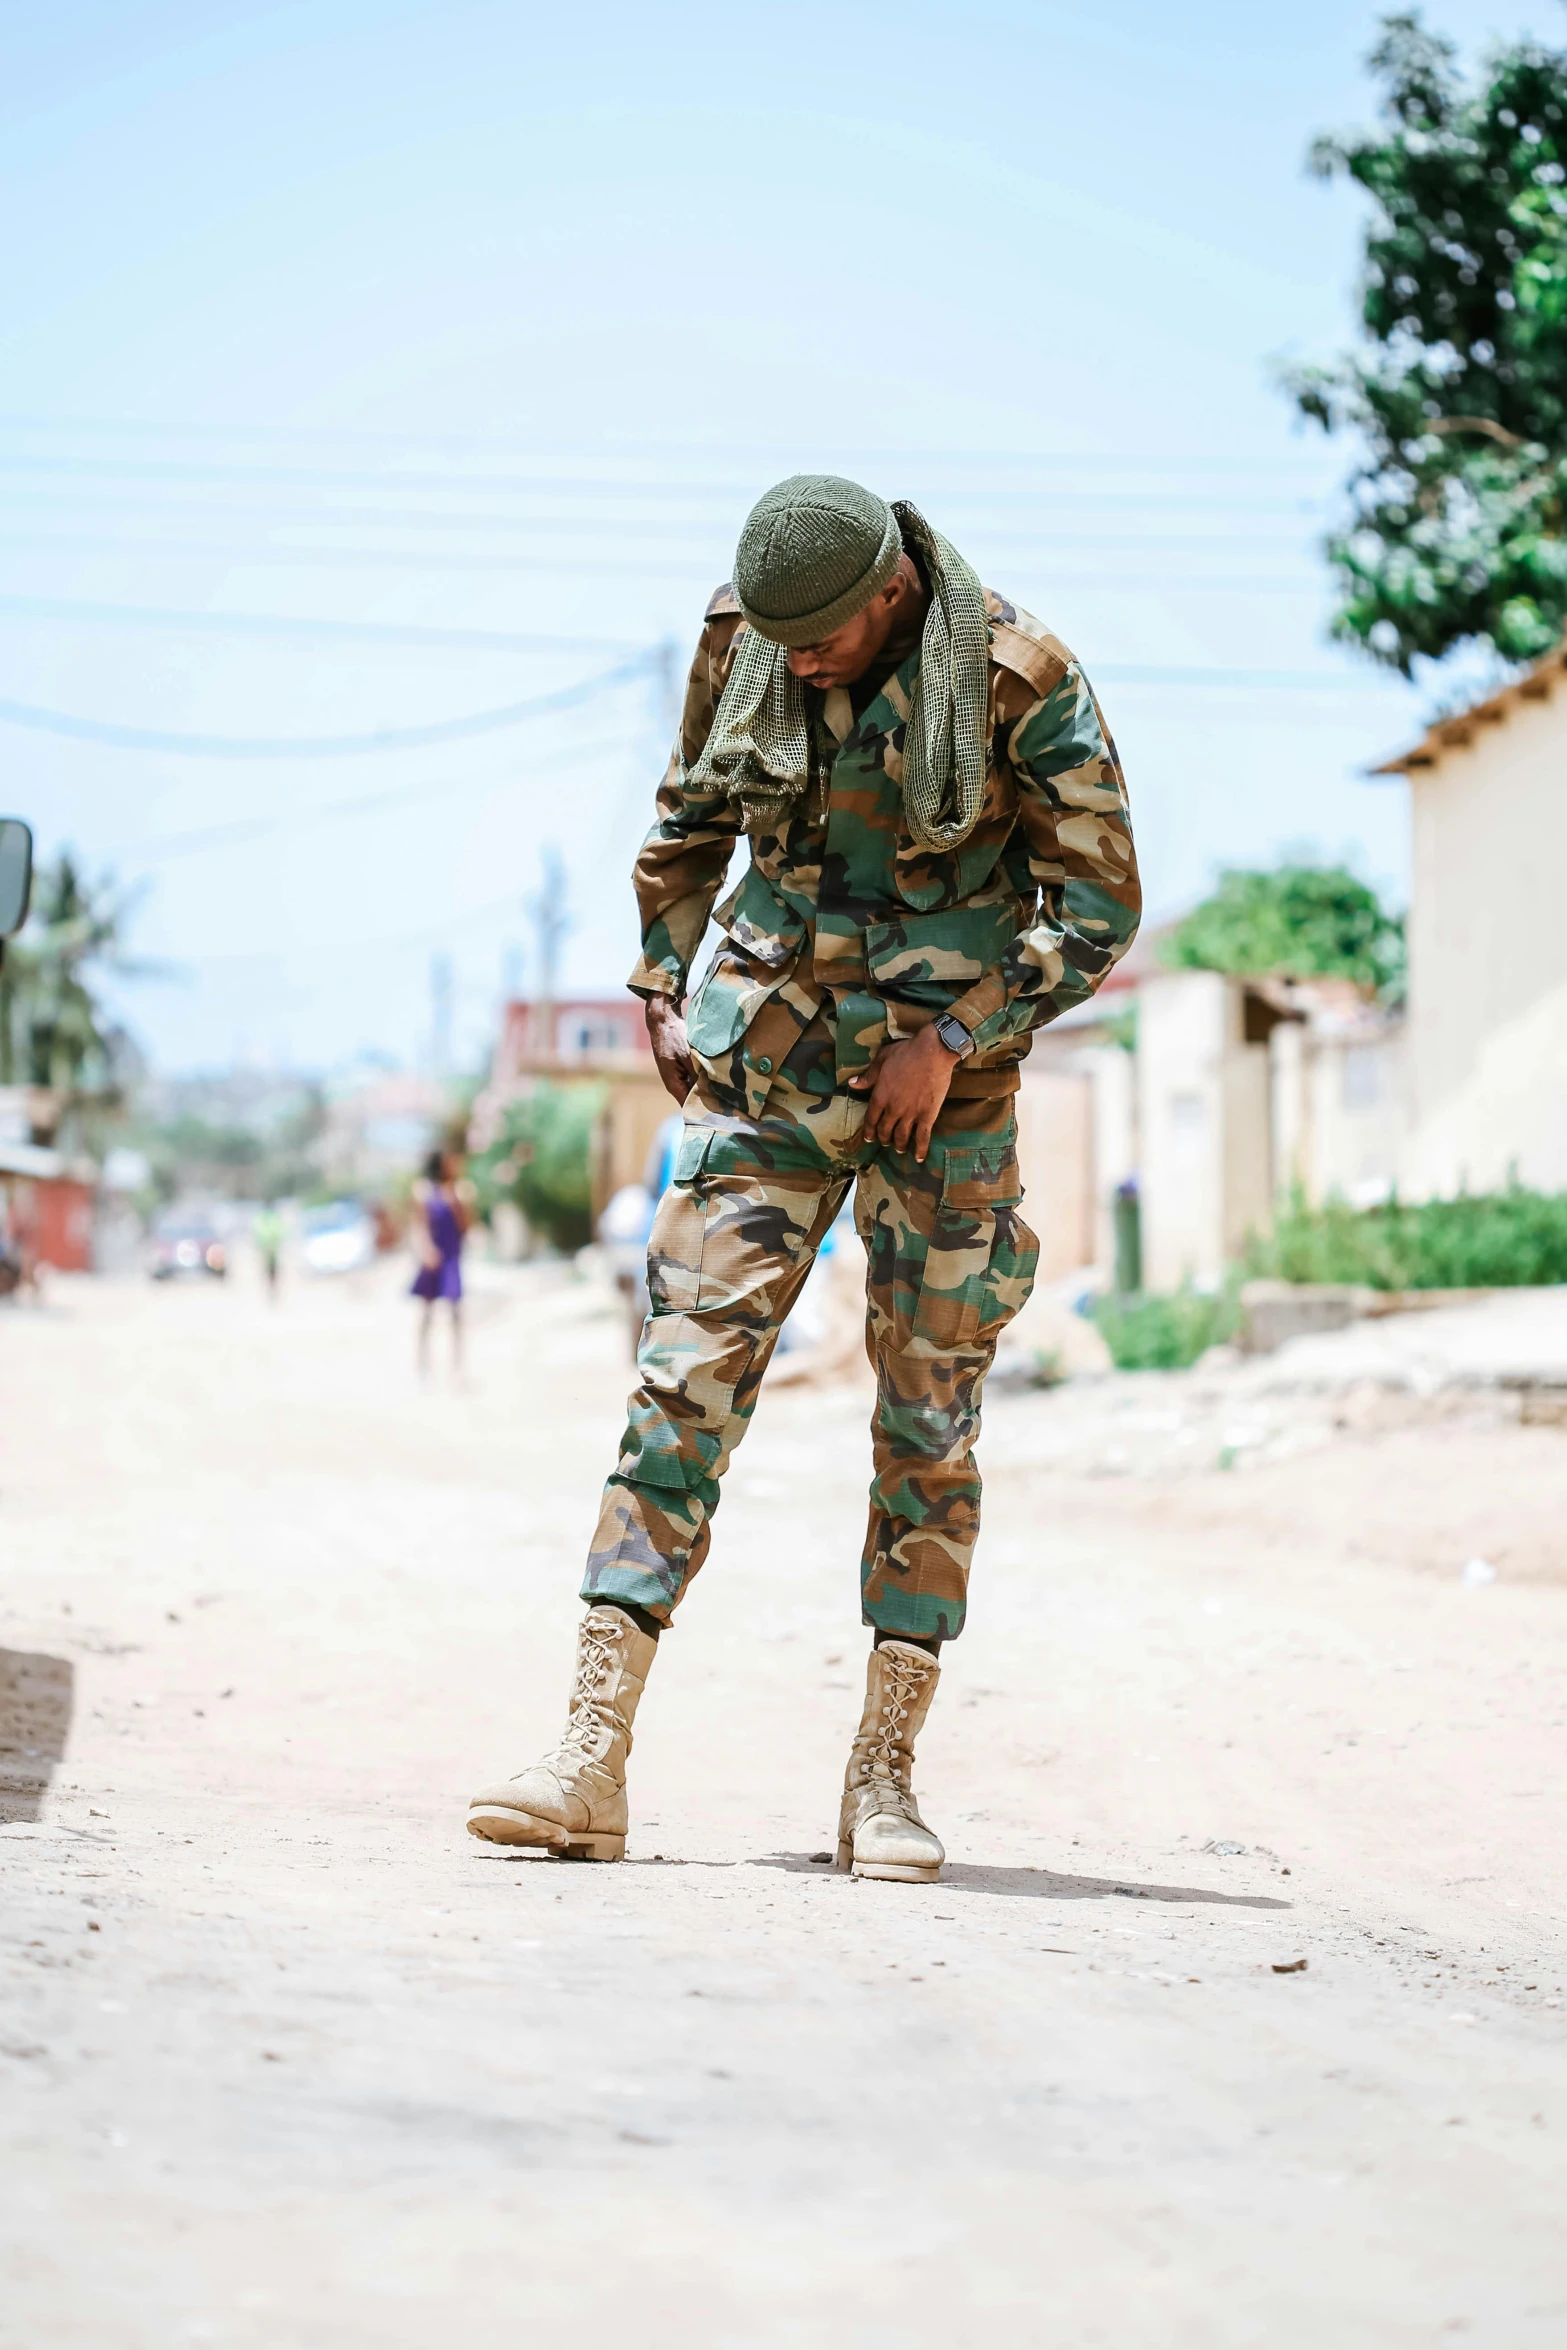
(288, 2062)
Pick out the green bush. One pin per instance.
(543, 1160)
(1491, 1240)
(1145, 1332)
(1303, 921)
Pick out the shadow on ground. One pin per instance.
(35, 1721)
(1044, 1885)
(959, 1877)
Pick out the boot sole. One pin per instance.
(891, 1871)
(520, 1827)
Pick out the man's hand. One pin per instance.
(908, 1083)
(666, 1031)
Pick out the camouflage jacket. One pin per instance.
(843, 912)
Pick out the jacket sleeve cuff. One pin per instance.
(984, 1000)
(650, 979)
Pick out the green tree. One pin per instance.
(543, 1160)
(1298, 922)
(53, 1028)
(1457, 523)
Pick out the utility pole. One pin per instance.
(551, 920)
(440, 1015)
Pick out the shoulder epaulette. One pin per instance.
(722, 604)
(1023, 644)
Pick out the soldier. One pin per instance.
(941, 861)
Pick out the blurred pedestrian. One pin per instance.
(267, 1233)
(626, 1225)
(440, 1226)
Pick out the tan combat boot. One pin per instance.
(574, 1801)
(880, 1832)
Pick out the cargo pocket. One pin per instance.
(674, 1252)
(980, 1256)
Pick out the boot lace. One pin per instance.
(885, 1758)
(588, 1729)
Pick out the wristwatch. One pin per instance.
(954, 1036)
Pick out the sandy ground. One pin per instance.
(288, 2062)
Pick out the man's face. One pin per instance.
(845, 655)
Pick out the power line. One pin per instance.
(330, 746)
(159, 848)
(1251, 680)
(750, 454)
(528, 485)
(379, 632)
(464, 919)
(137, 738)
(426, 562)
(276, 514)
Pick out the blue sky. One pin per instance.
(375, 366)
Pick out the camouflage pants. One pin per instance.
(950, 1262)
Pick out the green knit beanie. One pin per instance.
(813, 552)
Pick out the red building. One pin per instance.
(582, 1034)
(46, 1208)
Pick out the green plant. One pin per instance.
(1121, 1027)
(1457, 524)
(543, 1161)
(1148, 1332)
(1300, 921)
(1487, 1240)
(53, 1028)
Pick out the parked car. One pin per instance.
(186, 1240)
(337, 1239)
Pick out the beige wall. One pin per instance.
(1488, 957)
(1205, 1127)
(1339, 1107)
(636, 1107)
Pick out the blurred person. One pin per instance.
(10, 1250)
(440, 1225)
(941, 861)
(267, 1233)
(626, 1225)
(21, 1242)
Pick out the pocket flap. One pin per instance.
(981, 1177)
(691, 1154)
(931, 958)
(759, 922)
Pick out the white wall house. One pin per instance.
(1203, 1078)
(1248, 1090)
(1488, 942)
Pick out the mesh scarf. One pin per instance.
(769, 742)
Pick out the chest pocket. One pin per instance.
(932, 958)
(762, 939)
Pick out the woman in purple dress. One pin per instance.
(440, 1224)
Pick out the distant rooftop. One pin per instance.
(1458, 732)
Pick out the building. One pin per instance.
(1249, 1090)
(1487, 1075)
(574, 1041)
(564, 1037)
(46, 1200)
